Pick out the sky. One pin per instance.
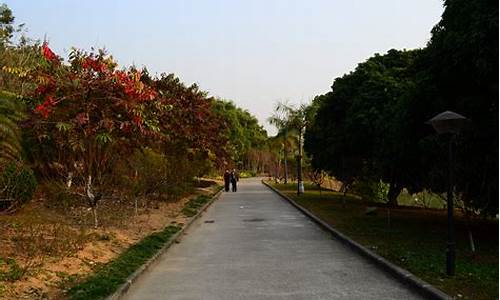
(254, 52)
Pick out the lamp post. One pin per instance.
(451, 123)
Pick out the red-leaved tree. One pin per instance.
(89, 115)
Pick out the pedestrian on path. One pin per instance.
(234, 180)
(227, 179)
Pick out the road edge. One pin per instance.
(123, 289)
(418, 285)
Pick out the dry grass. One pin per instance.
(44, 248)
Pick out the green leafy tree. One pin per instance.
(6, 24)
(359, 129)
(459, 72)
(243, 132)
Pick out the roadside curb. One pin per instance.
(123, 289)
(423, 288)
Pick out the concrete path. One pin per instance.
(260, 247)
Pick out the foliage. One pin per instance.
(366, 111)
(150, 173)
(245, 135)
(290, 123)
(317, 177)
(111, 275)
(17, 184)
(157, 175)
(375, 191)
(460, 73)
(372, 122)
(6, 21)
(247, 174)
(88, 115)
(11, 113)
(190, 124)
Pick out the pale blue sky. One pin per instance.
(254, 52)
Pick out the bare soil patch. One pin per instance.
(44, 250)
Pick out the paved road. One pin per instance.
(260, 247)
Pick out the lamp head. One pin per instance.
(448, 122)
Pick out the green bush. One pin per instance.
(17, 184)
(152, 173)
(371, 190)
(247, 174)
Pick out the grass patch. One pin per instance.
(414, 239)
(191, 208)
(10, 270)
(110, 276)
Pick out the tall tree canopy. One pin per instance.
(242, 129)
(372, 122)
(459, 72)
(359, 127)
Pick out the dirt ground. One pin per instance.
(41, 255)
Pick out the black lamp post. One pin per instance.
(450, 123)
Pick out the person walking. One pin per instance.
(227, 179)
(234, 179)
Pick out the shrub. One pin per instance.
(17, 185)
(371, 190)
(247, 174)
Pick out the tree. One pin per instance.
(245, 137)
(460, 73)
(280, 119)
(298, 121)
(6, 24)
(87, 116)
(359, 129)
(190, 125)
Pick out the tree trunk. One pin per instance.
(469, 231)
(343, 189)
(300, 183)
(69, 180)
(92, 200)
(392, 195)
(136, 207)
(285, 154)
(94, 212)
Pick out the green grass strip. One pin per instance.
(113, 274)
(194, 205)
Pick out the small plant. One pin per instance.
(66, 280)
(10, 270)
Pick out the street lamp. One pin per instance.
(449, 122)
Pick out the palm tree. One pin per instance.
(298, 119)
(280, 120)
